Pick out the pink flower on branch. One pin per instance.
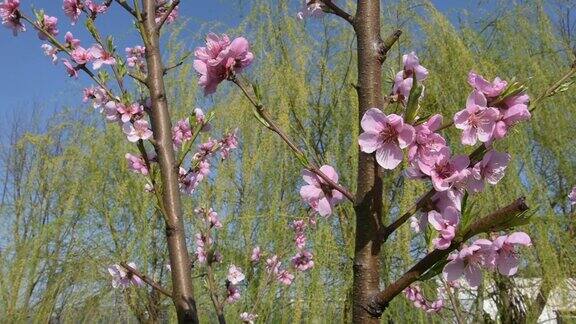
(136, 131)
(385, 135)
(72, 70)
(233, 294)
(477, 120)
(506, 255)
(100, 57)
(95, 8)
(414, 294)
(427, 143)
(446, 224)
(285, 277)
(135, 57)
(161, 9)
(80, 55)
(311, 8)
(491, 169)
(71, 42)
(50, 26)
(319, 194)
(256, 254)
(181, 132)
(445, 172)
(10, 16)
(122, 278)
(235, 275)
(248, 318)
(72, 9)
(404, 79)
(220, 59)
(136, 164)
(489, 89)
(51, 52)
(470, 261)
(302, 261)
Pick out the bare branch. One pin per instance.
(336, 10)
(180, 62)
(387, 44)
(127, 7)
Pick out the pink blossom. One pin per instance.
(81, 56)
(319, 194)
(10, 15)
(72, 72)
(513, 111)
(427, 144)
(491, 169)
(235, 275)
(233, 294)
(285, 277)
(417, 224)
(445, 171)
(51, 52)
(506, 255)
(445, 223)
(213, 220)
(49, 25)
(71, 42)
(387, 135)
(572, 196)
(162, 7)
(136, 131)
(414, 294)
(256, 254)
(136, 164)
(302, 261)
(201, 254)
(272, 264)
(181, 132)
(404, 79)
(489, 89)
(72, 9)
(95, 8)
(123, 278)
(135, 57)
(220, 59)
(248, 318)
(100, 57)
(311, 8)
(477, 121)
(111, 111)
(469, 262)
(228, 143)
(97, 94)
(128, 112)
(449, 198)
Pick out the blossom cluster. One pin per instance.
(414, 294)
(221, 59)
(122, 278)
(318, 194)
(311, 8)
(499, 254)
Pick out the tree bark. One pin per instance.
(183, 292)
(369, 179)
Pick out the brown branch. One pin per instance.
(336, 10)
(183, 289)
(264, 114)
(146, 279)
(387, 44)
(380, 301)
(127, 7)
(165, 16)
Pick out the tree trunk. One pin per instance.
(369, 180)
(183, 292)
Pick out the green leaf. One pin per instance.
(259, 117)
(413, 105)
(91, 28)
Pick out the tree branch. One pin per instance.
(387, 44)
(165, 16)
(127, 7)
(380, 301)
(146, 279)
(271, 125)
(336, 10)
(180, 62)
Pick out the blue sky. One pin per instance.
(29, 80)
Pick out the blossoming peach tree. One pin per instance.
(460, 247)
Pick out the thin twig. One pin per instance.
(146, 279)
(127, 7)
(335, 9)
(180, 62)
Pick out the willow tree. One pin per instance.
(384, 197)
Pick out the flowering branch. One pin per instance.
(167, 14)
(271, 125)
(146, 279)
(379, 302)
